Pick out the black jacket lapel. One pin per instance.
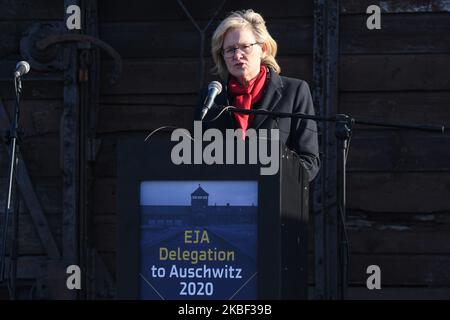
(270, 99)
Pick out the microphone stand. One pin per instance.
(13, 139)
(343, 131)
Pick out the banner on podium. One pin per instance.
(198, 240)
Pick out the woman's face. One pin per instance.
(243, 63)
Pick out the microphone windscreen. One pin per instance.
(215, 84)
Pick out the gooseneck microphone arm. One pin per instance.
(432, 128)
(343, 131)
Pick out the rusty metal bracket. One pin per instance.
(42, 60)
(48, 41)
(41, 47)
(325, 84)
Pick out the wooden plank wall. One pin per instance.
(40, 113)
(398, 181)
(160, 49)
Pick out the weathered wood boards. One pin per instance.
(397, 181)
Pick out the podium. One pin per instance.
(209, 231)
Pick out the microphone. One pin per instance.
(22, 68)
(214, 88)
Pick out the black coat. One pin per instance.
(281, 94)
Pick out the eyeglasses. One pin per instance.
(244, 48)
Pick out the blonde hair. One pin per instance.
(243, 19)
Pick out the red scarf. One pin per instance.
(246, 97)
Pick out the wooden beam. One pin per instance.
(138, 10)
(396, 6)
(30, 10)
(105, 286)
(30, 198)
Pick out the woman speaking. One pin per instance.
(244, 55)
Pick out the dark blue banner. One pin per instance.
(198, 240)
